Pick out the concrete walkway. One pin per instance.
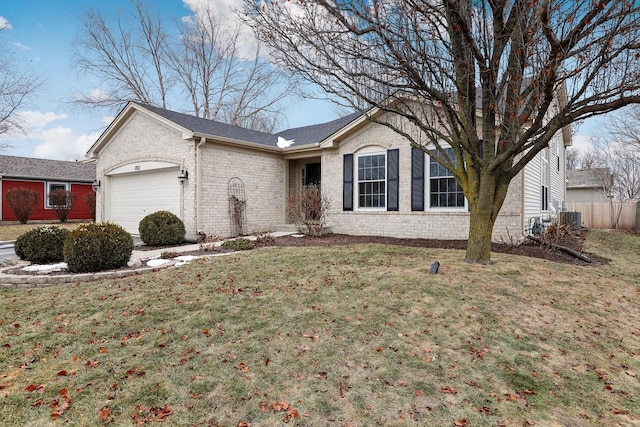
(138, 262)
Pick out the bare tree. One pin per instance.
(492, 80)
(619, 169)
(625, 126)
(573, 158)
(592, 159)
(135, 59)
(17, 84)
(126, 56)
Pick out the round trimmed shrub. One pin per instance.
(42, 245)
(241, 244)
(97, 246)
(161, 228)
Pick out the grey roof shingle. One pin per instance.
(316, 133)
(301, 135)
(53, 170)
(588, 178)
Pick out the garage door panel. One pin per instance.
(133, 196)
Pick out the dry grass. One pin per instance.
(357, 335)
(13, 231)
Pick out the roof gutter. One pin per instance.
(237, 142)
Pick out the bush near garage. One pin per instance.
(161, 228)
(96, 247)
(241, 244)
(42, 245)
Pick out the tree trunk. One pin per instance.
(484, 206)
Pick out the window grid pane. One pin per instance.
(371, 181)
(445, 191)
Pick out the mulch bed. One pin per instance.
(527, 249)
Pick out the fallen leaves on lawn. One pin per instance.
(104, 413)
(281, 406)
(448, 389)
(61, 405)
(154, 413)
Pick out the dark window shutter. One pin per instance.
(347, 183)
(417, 179)
(393, 172)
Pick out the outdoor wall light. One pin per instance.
(184, 175)
(95, 185)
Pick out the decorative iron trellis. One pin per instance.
(237, 207)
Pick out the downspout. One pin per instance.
(199, 184)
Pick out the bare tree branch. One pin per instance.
(17, 85)
(493, 80)
(135, 59)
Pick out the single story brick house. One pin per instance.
(45, 176)
(151, 159)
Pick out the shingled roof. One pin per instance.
(301, 135)
(316, 133)
(588, 178)
(42, 169)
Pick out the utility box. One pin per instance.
(573, 219)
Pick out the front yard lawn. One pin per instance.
(13, 231)
(354, 335)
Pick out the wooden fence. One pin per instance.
(598, 215)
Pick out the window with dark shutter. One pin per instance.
(347, 183)
(393, 172)
(417, 179)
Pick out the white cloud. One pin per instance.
(38, 120)
(5, 24)
(61, 143)
(225, 9)
(21, 46)
(106, 120)
(226, 12)
(582, 143)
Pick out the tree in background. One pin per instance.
(23, 202)
(209, 67)
(615, 159)
(62, 201)
(494, 81)
(17, 85)
(90, 201)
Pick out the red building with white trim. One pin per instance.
(45, 176)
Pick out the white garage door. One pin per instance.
(134, 196)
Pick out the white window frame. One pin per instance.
(427, 197)
(544, 180)
(368, 152)
(48, 190)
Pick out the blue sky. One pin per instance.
(41, 33)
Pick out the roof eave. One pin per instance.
(333, 140)
(126, 113)
(47, 178)
(237, 142)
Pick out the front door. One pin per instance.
(312, 174)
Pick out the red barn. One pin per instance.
(45, 176)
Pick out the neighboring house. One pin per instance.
(45, 176)
(588, 185)
(151, 159)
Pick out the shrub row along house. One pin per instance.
(227, 180)
(44, 177)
